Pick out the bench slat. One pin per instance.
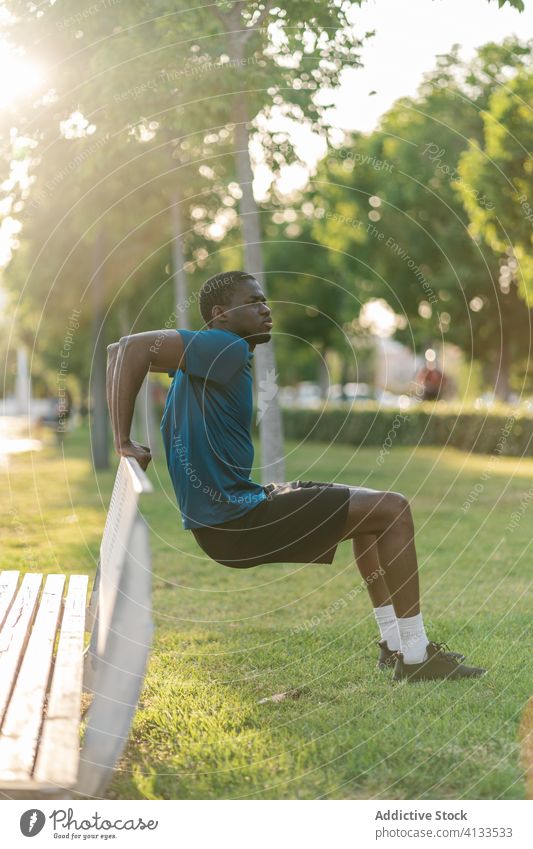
(119, 674)
(115, 546)
(8, 588)
(39, 747)
(58, 755)
(23, 718)
(14, 635)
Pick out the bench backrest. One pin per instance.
(120, 621)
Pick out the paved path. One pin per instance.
(15, 438)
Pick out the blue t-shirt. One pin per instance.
(206, 429)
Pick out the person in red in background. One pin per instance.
(432, 381)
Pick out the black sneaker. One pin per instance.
(387, 657)
(439, 665)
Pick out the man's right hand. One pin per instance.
(130, 448)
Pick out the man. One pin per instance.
(239, 523)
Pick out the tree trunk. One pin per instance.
(98, 414)
(323, 376)
(345, 372)
(268, 409)
(23, 383)
(178, 262)
(503, 366)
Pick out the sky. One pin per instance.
(409, 34)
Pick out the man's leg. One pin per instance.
(366, 552)
(387, 516)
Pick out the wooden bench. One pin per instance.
(41, 684)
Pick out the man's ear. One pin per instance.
(218, 313)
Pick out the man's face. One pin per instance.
(248, 314)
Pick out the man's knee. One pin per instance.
(398, 506)
(372, 512)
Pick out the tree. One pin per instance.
(392, 216)
(280, 55)
(318, 304)
(89, 178)
(499, 166)
(262, 61)
(518, 4)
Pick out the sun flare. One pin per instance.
(19, 76)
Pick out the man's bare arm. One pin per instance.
(135, 355)
(112, 351)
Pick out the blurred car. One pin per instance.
(485, 401)
(357, 392)
(307, 394)
(304, 394)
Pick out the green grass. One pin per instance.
(226, 638)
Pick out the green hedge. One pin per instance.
(505, 431)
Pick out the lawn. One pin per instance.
(225, 639)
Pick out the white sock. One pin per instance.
(386, 619)
(413, 639)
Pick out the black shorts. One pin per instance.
(299, 522)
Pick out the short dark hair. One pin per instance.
(220, 289)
